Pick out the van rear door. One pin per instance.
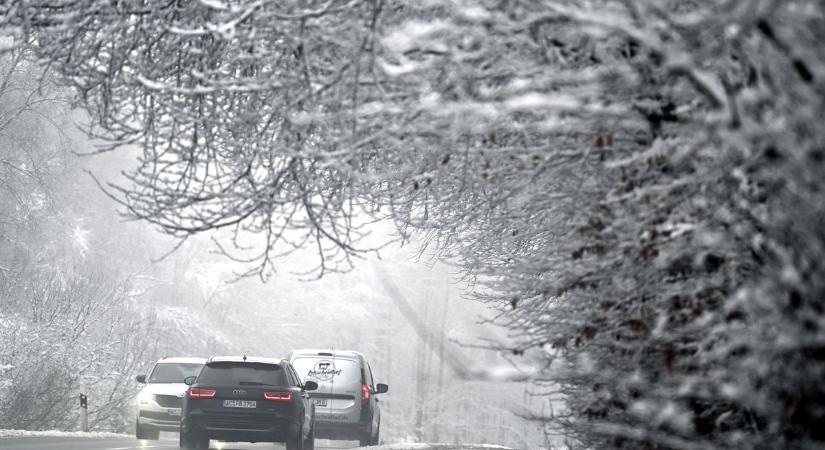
(337, 398)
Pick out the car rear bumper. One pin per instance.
(340, 430)
(252, 427)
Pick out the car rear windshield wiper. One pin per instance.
(255, 383)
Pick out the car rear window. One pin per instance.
(327, 369)
(243, 373)
(173, 372)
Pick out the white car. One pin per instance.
(159, 402)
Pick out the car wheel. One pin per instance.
(296, 441)
(188, 441)
(368, 439)
(144, 432)
(365, 441)
(375, 439)
(309, 443)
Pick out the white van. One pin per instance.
(346, 406)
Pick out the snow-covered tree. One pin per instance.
(672, 256)
(637, 185)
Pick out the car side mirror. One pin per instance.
(141, 379)
(310, 386)
(381, 388)
(190, 380)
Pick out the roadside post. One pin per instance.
(84, 413)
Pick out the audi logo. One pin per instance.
(238, 392)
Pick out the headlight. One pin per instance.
(145, 397)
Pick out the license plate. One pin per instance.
(240, 404)
(173, 411)
(320, 401)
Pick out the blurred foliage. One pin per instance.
(636, 185)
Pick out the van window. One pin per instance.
(327, 370)
(290, 374)
(368, 377)
(243, 373)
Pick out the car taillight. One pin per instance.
(278, 396)
(201, 393)
(365, 390)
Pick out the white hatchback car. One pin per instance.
(159, 402)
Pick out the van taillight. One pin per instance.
(278, 396)
(201, 393)
(365, 390)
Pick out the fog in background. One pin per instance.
(637, 187)
(164, 298)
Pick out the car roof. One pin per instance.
(243, 358)
(352, 354)
(182, 359)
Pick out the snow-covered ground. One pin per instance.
(54, 433)
(106, 435)
(422, 446)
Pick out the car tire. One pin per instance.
(144, 432)
(309, 443)
(365, 441)
(296, 441)
(375, 439)
(188, 441)
(368, 439)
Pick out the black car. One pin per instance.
(248, 400)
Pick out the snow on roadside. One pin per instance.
(54, 433)
(107, 435)
(422, 446)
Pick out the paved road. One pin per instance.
(75, 443)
